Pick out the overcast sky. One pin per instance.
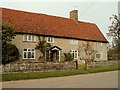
(94, 11)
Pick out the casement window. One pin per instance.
(50, 39)
(98, 55)
(73, 41)
(74, 54)
(98, 43)
(28, 37)
(29, 53)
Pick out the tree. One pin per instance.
(10, 52)
(114, 33)
(42, 46)
(8, 33)
(87, 53)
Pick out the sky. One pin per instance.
(93, 11)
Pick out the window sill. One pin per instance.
(28, 58)
(73, 44)
(50, 42)
(30, 41)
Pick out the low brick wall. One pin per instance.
(103, 63)
(37, 66)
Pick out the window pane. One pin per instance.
(25, 55)
(33, 55)
(98, 55)
(29, 37)
(32, 49)
(25, 49)
(25, 37)
(33, 37)
(51, 39)
(48, 39)
(29, 49)
(29, 54)
(75, 54)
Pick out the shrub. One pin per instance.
(68, 57)
(10, 54)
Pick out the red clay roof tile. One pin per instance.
(27, 22)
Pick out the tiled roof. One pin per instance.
(27, 22)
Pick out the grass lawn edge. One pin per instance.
(42, 75)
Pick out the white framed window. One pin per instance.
(73, 41)
(98, 55)
(99, 43)
(50, 39)
(29, 53)
(74, 54)
(28, 37)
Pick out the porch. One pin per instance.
(53, 54)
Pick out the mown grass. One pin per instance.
(38, 75)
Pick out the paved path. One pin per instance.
(99, 80)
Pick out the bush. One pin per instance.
(68, 57)
(110, 58)
(9, 54)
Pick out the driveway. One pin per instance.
(97, 80)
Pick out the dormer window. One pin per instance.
(31, 38)
(50, 39)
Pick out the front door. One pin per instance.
(54, 56)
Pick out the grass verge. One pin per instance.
(38, 75)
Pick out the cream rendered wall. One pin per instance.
(21, 45)
(102, 49)
(63, 43)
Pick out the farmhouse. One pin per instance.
(64, 35)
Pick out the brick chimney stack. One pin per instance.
(74, 15)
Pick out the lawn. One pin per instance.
(38, 75)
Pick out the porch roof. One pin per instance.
(55, 48)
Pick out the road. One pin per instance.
(97, 80)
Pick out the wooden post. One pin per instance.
(59, 55)
(45, 55)
(49, 55)
(76, 64)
